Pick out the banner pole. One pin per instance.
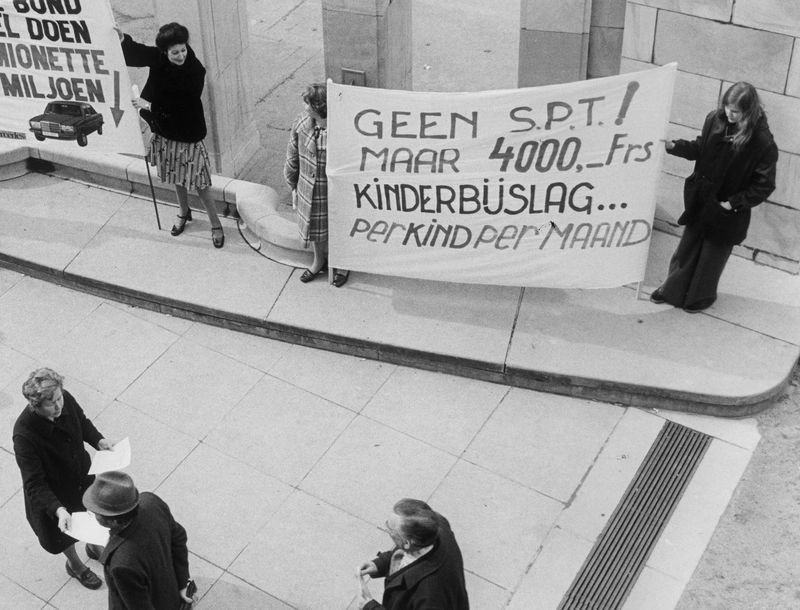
(152, 192)
(638, 289)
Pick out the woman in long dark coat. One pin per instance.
(48, 445)
(735, 157)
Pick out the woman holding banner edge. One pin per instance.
(170, 103)
(304, 171)
(735, 157)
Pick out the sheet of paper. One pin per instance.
(118, 458)
(86, 528)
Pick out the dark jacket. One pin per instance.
(147, 563)
(744, 178)
(174, 92)
(435, 581)
(54, 465)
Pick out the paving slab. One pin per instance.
(223, 501)
(442, 320)
(499, 523)
(544, 441)
(309, 536)
(280, 430)
(462, 407)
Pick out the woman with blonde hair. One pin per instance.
(48, 446)
(735, 157)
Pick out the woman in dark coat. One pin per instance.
(735, 157)
(48, 445)
(171, 105)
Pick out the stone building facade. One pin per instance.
(715, 43)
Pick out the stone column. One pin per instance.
(554, 41)
(605, 37)
(368, 42)
(219, 36)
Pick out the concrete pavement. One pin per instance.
(282, 461)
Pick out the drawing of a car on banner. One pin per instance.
(67, 121)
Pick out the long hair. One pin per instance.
(744, 97)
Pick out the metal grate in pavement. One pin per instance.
(614, 563)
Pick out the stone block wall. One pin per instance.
(369, 36)
(554, 41)
(605, 37)
(715, 43)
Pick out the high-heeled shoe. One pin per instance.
(178, 228)
(217, 240)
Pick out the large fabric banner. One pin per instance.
(63, 80)
(549, 186)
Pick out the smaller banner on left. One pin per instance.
(63, 79)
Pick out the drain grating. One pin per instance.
(614, 564)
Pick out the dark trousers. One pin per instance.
(695, 269)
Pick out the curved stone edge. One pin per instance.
(257, 204)
(13, 162)
(587, 389)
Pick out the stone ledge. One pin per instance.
(263, 225)
(13, 162)
(566, 384)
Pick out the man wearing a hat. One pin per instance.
(146, 562)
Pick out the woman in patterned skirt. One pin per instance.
(171, 105)
(305, 174)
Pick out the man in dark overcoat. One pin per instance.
(146, 561)
(424, 569)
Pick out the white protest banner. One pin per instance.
(63, 79)
(550, 186)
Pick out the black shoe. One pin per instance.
(309, 275)
(697, 307)
(178, 228)
(340, 279)
(217, 239)
(87, 578)
(657, 298)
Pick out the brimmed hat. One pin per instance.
(112, 493)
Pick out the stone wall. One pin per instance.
(715, 43)
(554, 41)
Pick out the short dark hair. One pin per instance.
(316, 96)
(419, 524)
(171, 34)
